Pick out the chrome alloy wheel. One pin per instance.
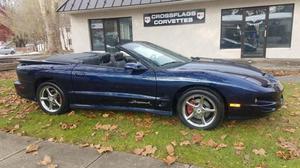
(50, 99)
(199, 110)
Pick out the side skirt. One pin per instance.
(120, 108)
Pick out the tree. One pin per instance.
(34, 21)
(24, 19)
(51, 23)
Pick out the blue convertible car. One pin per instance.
(144, 77)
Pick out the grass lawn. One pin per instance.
(251, 143)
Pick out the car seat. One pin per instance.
(106, 60)
(120, 60)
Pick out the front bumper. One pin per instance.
(263, 105)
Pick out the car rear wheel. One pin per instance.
(201, 109)
(52, 99)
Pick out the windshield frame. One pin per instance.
(128, 48)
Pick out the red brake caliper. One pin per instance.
(189, 108)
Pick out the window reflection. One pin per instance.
(236, 21)
(106, 34)
(231, 28)
(97, 37)
(280, 26)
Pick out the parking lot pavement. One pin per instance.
(13, 155)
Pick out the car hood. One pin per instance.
(223, 66)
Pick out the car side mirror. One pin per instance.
(135, 66)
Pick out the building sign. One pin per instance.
(174, 18)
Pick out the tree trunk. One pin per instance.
(51, 20)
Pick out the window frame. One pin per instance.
(104, 32)
(267, 22)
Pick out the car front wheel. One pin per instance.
(201, 109)
(52, 99)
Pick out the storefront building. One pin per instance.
(227, 29)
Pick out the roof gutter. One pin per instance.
(132, 6)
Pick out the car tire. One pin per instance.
(52, 99)
(12, 52)
(198, 104)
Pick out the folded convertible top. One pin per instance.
(78, 58)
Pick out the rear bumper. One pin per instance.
(24, 91)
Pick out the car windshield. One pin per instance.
(159, 56)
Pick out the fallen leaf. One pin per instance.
(138, 151)
(174, 143)
(290, 130)
(105, 115)
(17, 126)
(61, 139)
(169, 160)
(292, 149)
(170, 150)
(149, 150)
(104, 149)
(261, 166)
(97, 146)
(53, 166)
(239, 146)
(46, 160)
(84, 145)
(260, 152)
(283, 155)
(66, 126)
(147, 122)
(220, 146)
(185, 143)
(211, 143)
(32, 148)
(197, 138)
(90, 115)
(51, 139)
(139, 136)
(71, 113)
(106, 127)
(184, 133)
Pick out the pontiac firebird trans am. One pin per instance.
(144, 77)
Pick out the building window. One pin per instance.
(280, 26)
(106, 34)
(231, 28)
(125, 30)
(97, 36)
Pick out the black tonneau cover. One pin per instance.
(79, 58)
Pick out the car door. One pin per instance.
(108, 87)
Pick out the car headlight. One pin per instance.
(280, 85)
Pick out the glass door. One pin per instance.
(111, 35)
(254, 32)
